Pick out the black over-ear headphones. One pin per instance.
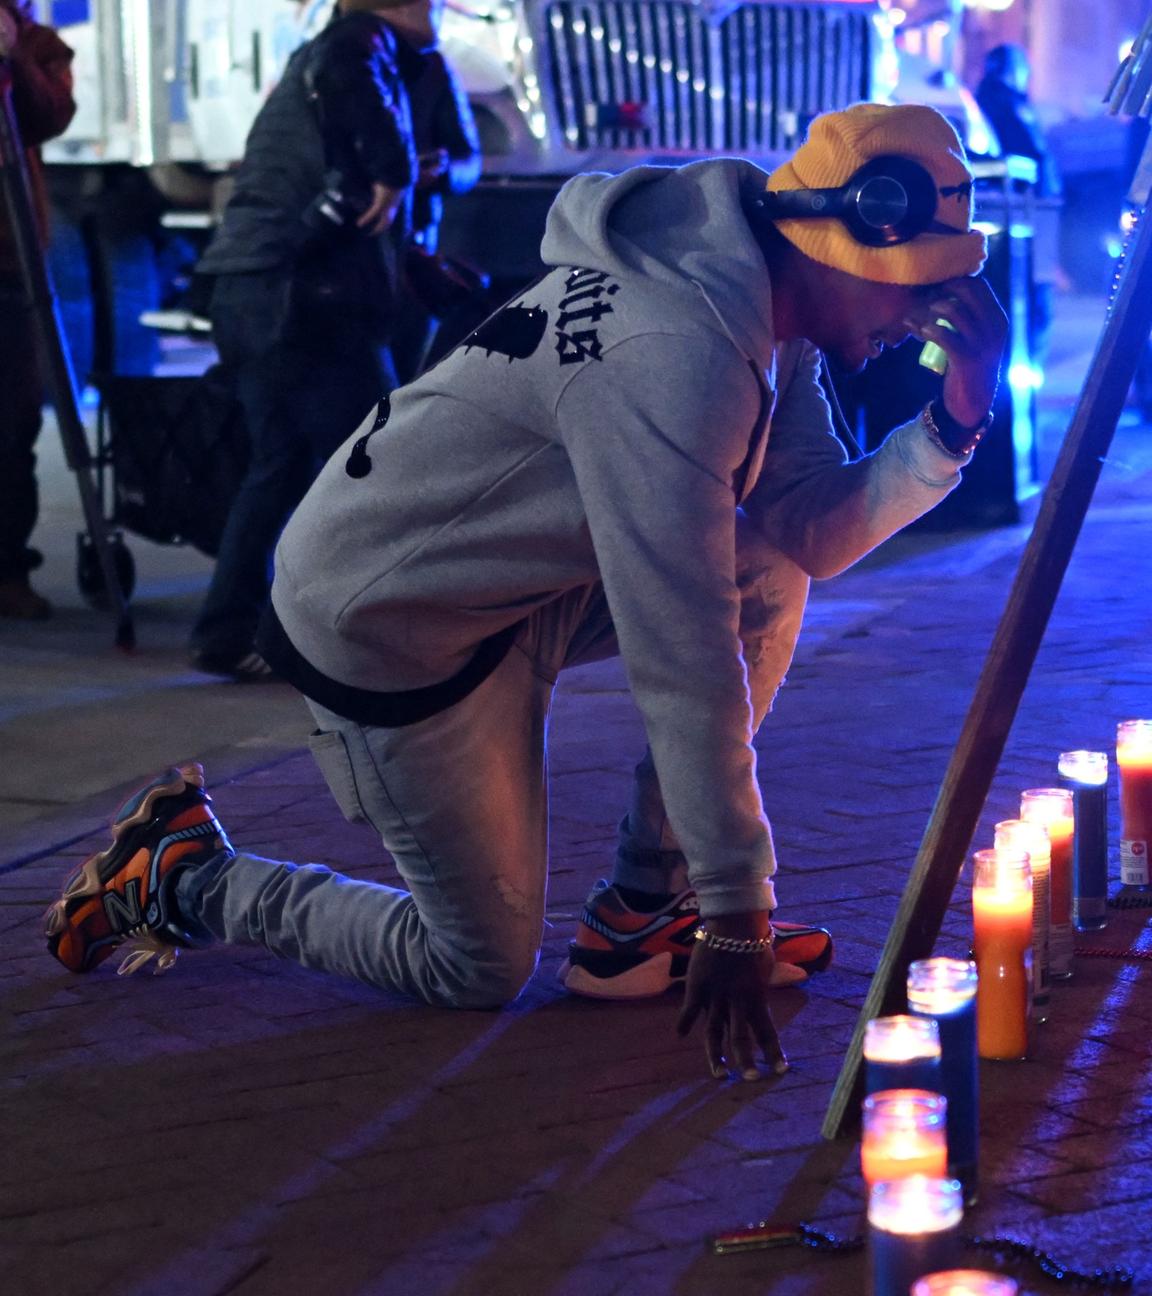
(889, 200)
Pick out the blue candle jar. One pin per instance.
(1086, 773)
(901, 1052)
(944, 990)
(913, 1230)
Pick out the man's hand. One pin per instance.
(974, 350)
(433, 167)
(731, 990)
(382, 212)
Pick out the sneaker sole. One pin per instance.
(646, 980)
(90, 877)
(652, 978)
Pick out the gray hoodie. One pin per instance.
(605, 426)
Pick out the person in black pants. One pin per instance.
(448, 149)
(305, 270)
(41, 69)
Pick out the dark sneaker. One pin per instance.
(127, 892)
(247, 668)
(622, 953)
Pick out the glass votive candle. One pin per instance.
(1002, 943)
(905, 1134)
(901, 1052)
(912, 1231)
(964, 1282)
(1051, 808)
(1032, 839)
(1086, 772)
(945, 990)
(1134, 758)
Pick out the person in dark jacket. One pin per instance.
(448, 149)
(41, 70)
(305, 270)
(1003, 98)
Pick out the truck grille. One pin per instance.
(643, 74)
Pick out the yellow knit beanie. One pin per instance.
(838, 144)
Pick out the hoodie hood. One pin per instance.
(684, 227)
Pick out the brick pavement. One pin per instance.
(245, 1126)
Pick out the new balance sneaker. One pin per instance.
(127, 892)
(623, 953)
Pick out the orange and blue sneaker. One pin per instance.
(624, 953)
(127, 892)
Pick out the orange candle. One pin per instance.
(1134, 756)
(1002, 917)
(1052, 809)
(964, 1282)
(905, 1134)
(1032, 839)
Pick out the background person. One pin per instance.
(448, 153)
(305, 270)
(1003, 98)
(41, 69)
(634, 456)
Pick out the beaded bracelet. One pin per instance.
(732, 944)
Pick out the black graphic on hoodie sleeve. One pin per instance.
(514, 331)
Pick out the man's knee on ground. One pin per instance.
(487, 982)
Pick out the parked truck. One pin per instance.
(557, 85)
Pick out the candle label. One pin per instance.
(1041, 916)
(1134, 863)
(1060, 948)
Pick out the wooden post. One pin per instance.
(1009, 662)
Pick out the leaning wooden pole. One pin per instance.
(1008, 664)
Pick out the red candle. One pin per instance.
(1134, 756)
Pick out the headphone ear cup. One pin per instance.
(889, 200)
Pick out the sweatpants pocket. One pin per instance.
(330, 751)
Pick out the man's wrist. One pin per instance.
(954, 438)
(754, 924)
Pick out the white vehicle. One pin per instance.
(557, 85)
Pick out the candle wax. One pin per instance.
(1003, 937)
(1060, 833)
(904, 1153)
(1135, 763)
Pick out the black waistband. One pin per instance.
(368, 706)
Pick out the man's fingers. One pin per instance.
(688, 1014)
(768, 1038)
(741, 1049)
(959, 314)
(371, 214)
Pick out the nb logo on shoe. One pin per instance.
(124, 911)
